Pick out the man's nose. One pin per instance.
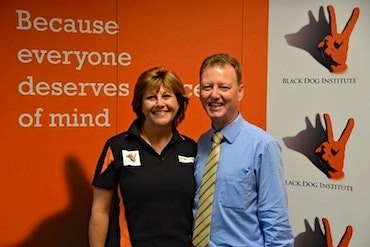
(215, 92)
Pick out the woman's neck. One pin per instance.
(157, 138)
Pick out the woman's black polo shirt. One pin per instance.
(157, 191)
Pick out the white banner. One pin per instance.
(318, 107)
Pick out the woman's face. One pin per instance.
(159, 107)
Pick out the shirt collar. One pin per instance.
(231, 131)
(134, 130)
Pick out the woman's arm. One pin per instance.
(99, 219)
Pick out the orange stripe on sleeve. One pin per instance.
(107, 160)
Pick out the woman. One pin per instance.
(143, 183)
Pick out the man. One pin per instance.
(249, 205)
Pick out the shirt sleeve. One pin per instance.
(105, 175)
(272, 202)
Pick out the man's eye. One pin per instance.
(206, 87)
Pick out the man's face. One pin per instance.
(220, 94)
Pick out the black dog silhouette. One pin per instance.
(309, 36)
(306, 142)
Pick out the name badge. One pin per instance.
(131, 158)
(185, 159)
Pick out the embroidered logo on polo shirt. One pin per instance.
(185, 159)
(131, 158)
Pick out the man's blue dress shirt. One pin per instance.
(250, 202)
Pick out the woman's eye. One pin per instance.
(167, 96)
(150, 97)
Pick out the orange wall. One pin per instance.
(47, 170)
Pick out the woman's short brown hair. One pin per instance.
(153, 79)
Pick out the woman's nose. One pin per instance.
(159, 101)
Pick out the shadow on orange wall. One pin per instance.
(68, 227)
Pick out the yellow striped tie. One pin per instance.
(202, 223)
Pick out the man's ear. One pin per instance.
(241, 92)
